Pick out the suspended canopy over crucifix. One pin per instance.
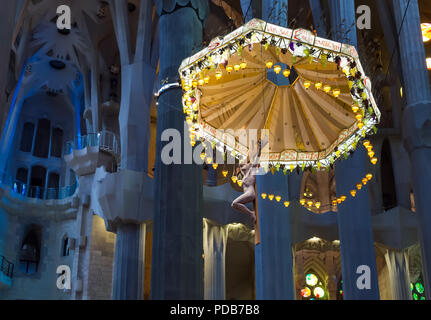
(310, 93)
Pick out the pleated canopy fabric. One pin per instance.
(234, 85)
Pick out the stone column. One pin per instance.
(398, 267)
(137, 79)
(273, 256)
(7, 25)
(318, 17)
(250, 9)
(416, 120)
(354, 218)
(177, 264)
(214, 240)
(129, 261)
(275, 12)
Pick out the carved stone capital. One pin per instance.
(125, 196)
(417, 126)
(169, 6)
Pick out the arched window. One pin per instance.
(315, 288)
(41, 145)
(53, 183)
(21, 177)
(37, 181)
(387, 174)
(30, 251)
(57, 142)
(27, 137)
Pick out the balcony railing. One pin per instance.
(6, 267)
(27, 190)
(105, 140)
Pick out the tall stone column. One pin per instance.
(273, 255)
(354, 218)
(398, 266)
(129, 261)
(275, 12)
(7, 25)
(214, 241)
(416, 120)
(318, 17)
(128, 206)
(177, 266)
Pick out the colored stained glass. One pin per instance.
(419, 287)
(319, 292)
(306, 292)
(311, 279)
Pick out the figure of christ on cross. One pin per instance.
(248, 171)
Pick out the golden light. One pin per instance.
(278, 198)
(239, 182)
(229, 68)
(318, 204)
(360, 125)
(369, 176)
(339, 200)
(358, 117)
(194, 83)
(371, 153)
(186, 87)
(428, 60)
(277, 69)
(359, 186)
(336, 92)
(224, 173)
(318, 85)
(271, 197)
(327, 88)
(369, 147)
(218, 75)
(343, 198)
(426, 31)
(364, 181)
(215, 165)
(286, 204)
(374, 160)
(209, 160)
(302, 201)
(334, 203)
(193, 143)
(286, 73)
(201, 82)
(263, 195)
(366, 143)
(243, 65)
(237, 67)
(207, 79)
(355, 108)
(234, 179)
(310, 203)
(202, 156)
(307, 84)
(269, 64)
(353, 193)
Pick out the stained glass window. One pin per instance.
(418, 290)
(315, 289)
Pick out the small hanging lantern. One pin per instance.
(271, 197)
(263, 195)
(286, 73)
(269, 64)
(286, 204)
(353, 193)
(278, 198)
(277, 69)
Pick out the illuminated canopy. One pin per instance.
(309, 92)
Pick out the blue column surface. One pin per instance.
(273, 256)
(177, 264)
(354, 215)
